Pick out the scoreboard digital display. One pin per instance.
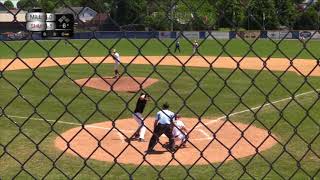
(50, 24)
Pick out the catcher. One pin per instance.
(179, 131)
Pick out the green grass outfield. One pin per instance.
(213, 97)
(155, 47)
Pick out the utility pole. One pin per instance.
(263, 19)
(249, 16)
(171, 15)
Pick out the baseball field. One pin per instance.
(155, 47)
(44, 108)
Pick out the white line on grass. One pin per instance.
(257, 107)
(60, 122)
(41, 119)
(210, 122)
(121, 137)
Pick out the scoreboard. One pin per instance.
(50, 24)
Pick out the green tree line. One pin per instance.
(198, 14)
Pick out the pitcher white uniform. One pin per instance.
(116, 58)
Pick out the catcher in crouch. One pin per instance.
(179, 131)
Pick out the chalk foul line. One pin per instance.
(203, 132)
(258, 107)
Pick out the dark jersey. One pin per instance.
(141, 103)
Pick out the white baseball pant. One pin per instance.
(116, 64)
(138, 117)
(181, 136)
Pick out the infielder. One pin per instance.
(116, 58)
(179, 131)
(162, 125)
(137, 115)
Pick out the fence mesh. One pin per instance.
(241, 74)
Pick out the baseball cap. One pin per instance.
(165, 105)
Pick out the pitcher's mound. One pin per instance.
(121, 84)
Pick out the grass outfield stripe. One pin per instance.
(210, 122)
(93, 47)
(257, 107)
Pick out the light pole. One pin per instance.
(263, 19)
(249, 16)
(318, 19)
(234, 19)
(171, 15)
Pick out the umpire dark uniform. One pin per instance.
(162, 125)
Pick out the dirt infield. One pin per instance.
(299, 66)
(121, 84)
(214, 145)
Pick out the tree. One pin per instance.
(261, 14)
(287, 12)
(231, 13)
(199, 15)
(47, 5)
(8, 4)
(101, 6)
(27, 4)
(317, 6)
(159, 15)
(308, 20)
(298, 1)
(157, 21)
(129, 11)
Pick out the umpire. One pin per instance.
(162, 125)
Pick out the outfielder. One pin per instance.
(177, 46)
(137, 115)
(116, 58)
(195, 47)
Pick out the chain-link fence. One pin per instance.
(172, 89)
